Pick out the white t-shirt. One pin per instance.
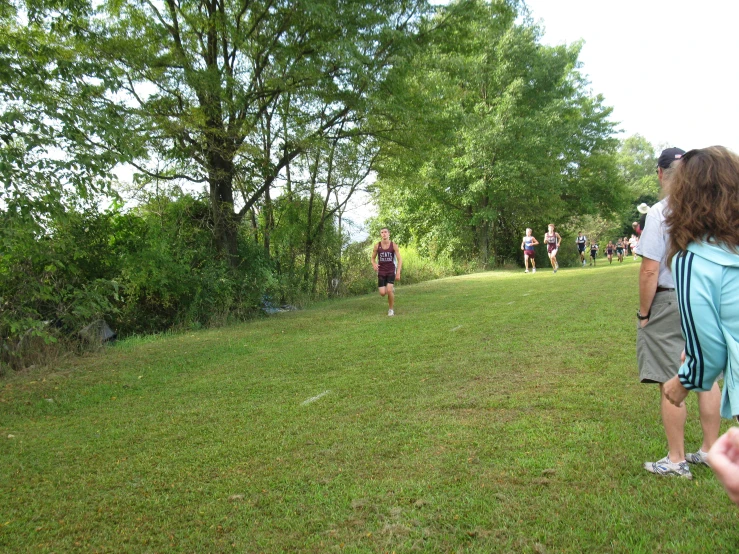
(653, 243)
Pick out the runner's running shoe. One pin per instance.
(390, 313)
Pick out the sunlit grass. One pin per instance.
(497, 412)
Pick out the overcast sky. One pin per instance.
(668, 69)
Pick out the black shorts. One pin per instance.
(384, 280)
(581, 248)
(593, 253)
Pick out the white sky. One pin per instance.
(668, 68)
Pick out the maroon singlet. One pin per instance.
(386, 260)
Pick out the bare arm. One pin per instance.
(400, 262)
(648, 277)
(374, 257)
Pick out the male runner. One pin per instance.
(580, 241)
(552, 240)
(387, 273)
(593, 251)
(527, 245)
(620, 250)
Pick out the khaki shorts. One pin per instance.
(660, 344)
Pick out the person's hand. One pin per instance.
(682, 357)
(397, 276)
(723, 457)
(376, 267)
(675, 392)
(643, 323)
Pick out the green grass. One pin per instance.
(497, 412)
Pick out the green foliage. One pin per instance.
(418, 268)
(148, 270)
(508, 137)
(55, 276)
(637, 161)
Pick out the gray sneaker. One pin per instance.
(667, 468)
(698, 458)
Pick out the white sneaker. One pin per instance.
(667, 468)
(698, 458)
(526, 271)
(390, 313)
(533, 270)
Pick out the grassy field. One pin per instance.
(497, 412)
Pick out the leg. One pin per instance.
(673, 419)
(526, 262)
(382, 291)
(390, 296)
(709, 404)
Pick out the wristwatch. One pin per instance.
(643, 317)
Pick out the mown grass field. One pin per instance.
(498, 412)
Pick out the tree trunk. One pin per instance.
(269, 221)
(483, 242)
(220, 178)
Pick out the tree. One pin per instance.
(520, 142)
(229, 90)
(637, 162)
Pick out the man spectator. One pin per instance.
(659, 339)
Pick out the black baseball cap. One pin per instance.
(668, 156)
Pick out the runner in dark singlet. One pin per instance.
(552, 240)
(527, 245)
(387, 273)
(620, 250)
(580, 241)
(609, 251)
(593, 252)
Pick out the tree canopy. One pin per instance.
(507, 135)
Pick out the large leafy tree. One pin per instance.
(221, 92)
(511, 137)
(230, 92)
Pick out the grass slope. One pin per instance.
(497, 412)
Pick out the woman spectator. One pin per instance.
(703, 220)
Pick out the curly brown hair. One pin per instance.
(704, 199)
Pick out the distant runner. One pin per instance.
(387, 273)
(593, 252)
(552, 240)
(609, 251)
(527, 245)
(620, 250)
(581, 240)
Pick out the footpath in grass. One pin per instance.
(497, 412)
